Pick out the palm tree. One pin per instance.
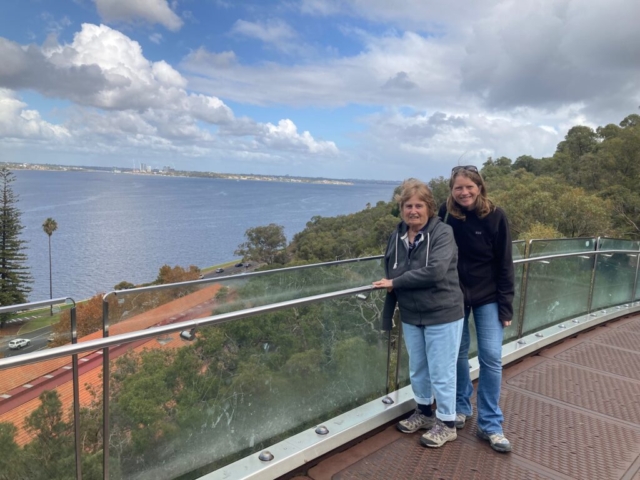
(49, 226)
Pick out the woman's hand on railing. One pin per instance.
(384, 283)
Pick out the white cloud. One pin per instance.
(285, 136)
(17, 122)
(156, 38)
(433, 15)
(152, 11)
(275, 34)
(104, 68)
(429, 65)
(426, 145)
(273, 31)
(125, 101)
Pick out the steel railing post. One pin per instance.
(523, 290)
(635, 282)
(386, 390)
(76, 394)
(592, 286)
(105, 391)
(399, 351)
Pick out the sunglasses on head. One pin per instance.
(468, 168)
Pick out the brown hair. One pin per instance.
(483, 206)
(411, 187)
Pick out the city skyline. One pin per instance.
(313, 88)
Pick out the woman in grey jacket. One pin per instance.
(422, 278)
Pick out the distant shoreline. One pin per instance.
(170, 172)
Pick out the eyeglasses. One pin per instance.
(468, 168)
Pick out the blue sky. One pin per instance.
(334, 88)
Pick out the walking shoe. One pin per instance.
(438, 435)
(461, 419)
(417, 421)
(497, 441)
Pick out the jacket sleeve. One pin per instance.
(389, 308)
(505, 274)
(443, 248)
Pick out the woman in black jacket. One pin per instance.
(421, 277)
(485, 268)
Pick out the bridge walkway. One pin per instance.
(572, 411)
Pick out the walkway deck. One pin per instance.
(571, 412)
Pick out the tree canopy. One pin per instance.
(264, 244)
(14, 274)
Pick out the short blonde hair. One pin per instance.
(414, 187)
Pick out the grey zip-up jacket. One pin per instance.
(425, 283)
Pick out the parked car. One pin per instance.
(19, 343)
(219, 270)
(238, 265)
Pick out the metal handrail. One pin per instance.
(131, 291)
(33, 305)
(574, 254)
(106, 342)
(99, 343)
(90, 345)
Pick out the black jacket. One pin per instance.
(485, 265)
(425, 284)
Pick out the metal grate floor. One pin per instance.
(571, 412)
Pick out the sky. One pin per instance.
(369, 89)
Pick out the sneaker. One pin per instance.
(461, 419)
(417, 421)
(497, 441)
(438, 435)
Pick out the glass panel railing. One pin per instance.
(180, 406)
(34, 329)
(518, 249)
(556, 246)
(614, 279)
(618, 244)
(511, 332)
(37, 422)
(137, 309)
(557, 289)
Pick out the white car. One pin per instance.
(19, 343)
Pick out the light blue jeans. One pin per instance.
(433, 352)
(489, 331)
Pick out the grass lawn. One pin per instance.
(43, 318)
(38, 323)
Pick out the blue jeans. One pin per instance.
(433, 351)
(489, 332)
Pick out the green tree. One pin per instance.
(12, 457)
(14, 274)
(496, 168)
(527, 162)
(51, 454)
(440, 189)
(264, 244)
(124, 285)
(578, 141)
(49, 226)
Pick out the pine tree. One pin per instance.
(14, 274)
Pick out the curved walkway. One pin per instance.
(572, 412)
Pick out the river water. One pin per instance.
(114, 227)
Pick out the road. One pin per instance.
(231, 271)
(38, 342)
